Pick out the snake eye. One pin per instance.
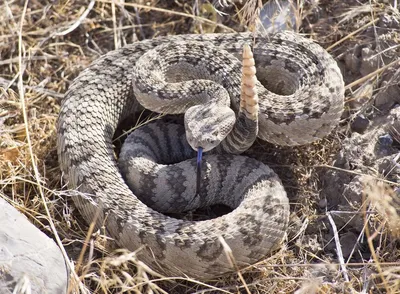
(211, 141)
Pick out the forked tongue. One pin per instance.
(198, 169)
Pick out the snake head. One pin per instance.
(207, 125)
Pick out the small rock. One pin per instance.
(296, 226)
(341, 160)
(361, 96)
(394, 128)
(352, 63)
(385, 140)
(310, 242)
(388, 167)
(360, 124)
(353, 192)
(385, 165)
(369, 61)
(348, 241)
(348, 200)
(333, 182)
(388, 96)
(323, 203)
(28, 256)
(389, 21)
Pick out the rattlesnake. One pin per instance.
(304, 101)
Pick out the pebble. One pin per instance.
(369, 61)
(323, 203)
(385, 140)
(360, 124)
(361, 96)
(388, 96)
(348, 241)
(352, 62)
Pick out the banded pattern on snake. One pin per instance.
(301, 95)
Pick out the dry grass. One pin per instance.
(44, 46)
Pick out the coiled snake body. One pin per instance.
(301, 100)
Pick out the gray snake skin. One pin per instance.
(301, 99)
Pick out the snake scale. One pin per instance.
(301, 93)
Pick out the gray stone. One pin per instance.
(352, 63)
(361, 97)
(389, 93)
(346, 202)
(385, 140)
(349, 243)
(323, 203)
(369, 61)
(28, 257)
(360, 124)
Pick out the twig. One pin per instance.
(198, 18)
(139, 23)
(89, 233)
(79, 21)
(184, 279)
(32, 157)
(351, 34)
(338, 247)
(372, 74)
(15, 59)
(370, 239)
(232, 261)
(353, 172)
(7, 83)
(114, 20)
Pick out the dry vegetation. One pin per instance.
(43, 47)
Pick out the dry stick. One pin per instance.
(172, 12)
(31, 58)
(352, 34)
(79, 21)
(139, 124)
(340, 169)
(114, 19)
(32, 157)
(371, 246)
(372, 74)
(139, 23)
(356, 173)
(232, 261)
(6, 84)
(85, 243)
(338, 247)
(185, 279)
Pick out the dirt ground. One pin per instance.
(345, 222)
